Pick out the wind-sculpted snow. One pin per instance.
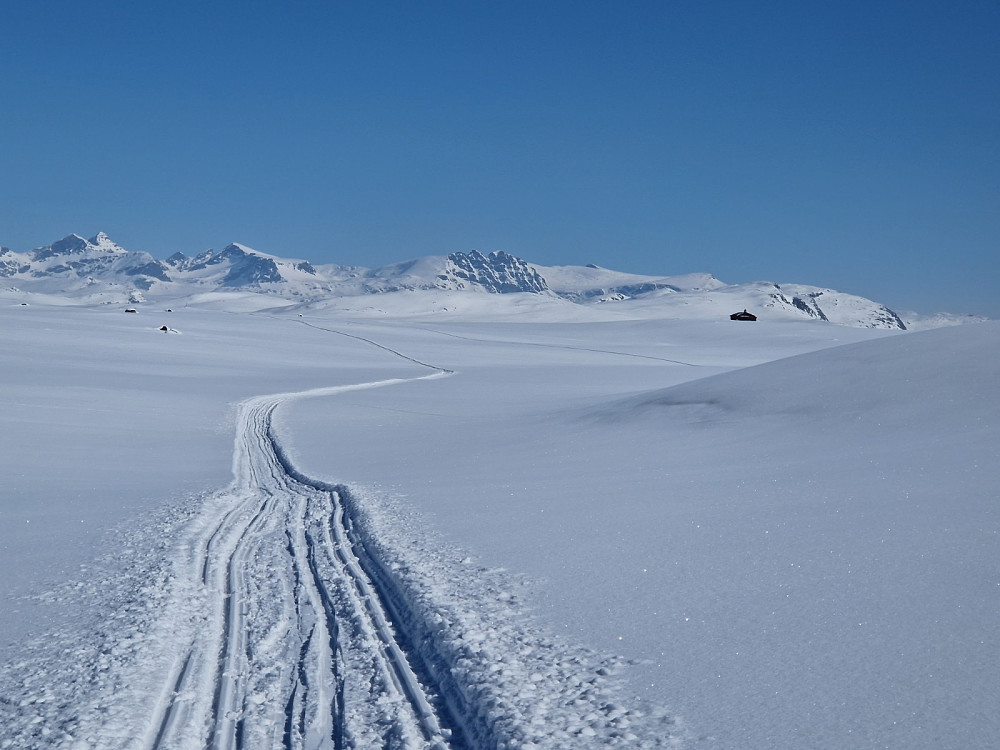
(287, 612)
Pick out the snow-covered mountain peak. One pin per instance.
(99, 270)
(80, 267)
(74, 244)
(101, 241)
(234, 266)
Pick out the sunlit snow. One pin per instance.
(587, 530)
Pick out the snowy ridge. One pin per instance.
(590, 283)
(833, 306)
(239, 266)
(697, 295)
(82, 267)
(917, 322)
(496, 273)
(293, 616)
(97, 271)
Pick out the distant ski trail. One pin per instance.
(514, 342)
(297, 648)
(544, 345)
(376, 345)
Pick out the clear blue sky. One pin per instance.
(847, 144)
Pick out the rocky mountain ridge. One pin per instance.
(97, 270)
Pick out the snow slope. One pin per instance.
(591, 532)
(799, 554)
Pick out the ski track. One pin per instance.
(297, 648)
(283, 619)
(514, 342)
(545, 345)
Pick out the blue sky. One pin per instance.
(854, 145)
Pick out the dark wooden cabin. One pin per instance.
(743, 316)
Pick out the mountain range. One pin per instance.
(99, 271)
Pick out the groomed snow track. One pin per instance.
(284, 612)
(307, 640)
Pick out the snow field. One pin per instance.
(796, 554)
(801, 553)
(243, 636)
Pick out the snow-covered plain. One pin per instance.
(587, 531)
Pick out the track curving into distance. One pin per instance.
(281, 612)
(297, 646)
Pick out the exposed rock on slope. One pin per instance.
(497, 272)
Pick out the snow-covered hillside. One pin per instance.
(702, 295)
(307, 528)
(98, 271)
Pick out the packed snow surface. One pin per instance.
(313, 526)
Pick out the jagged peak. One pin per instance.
(238, 249)
(234, 250)
(499, 272)
(73, 244)
(101, 241)
(70, 240)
